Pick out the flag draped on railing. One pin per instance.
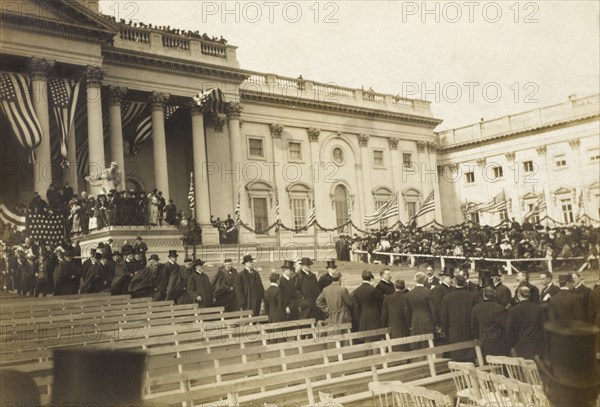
(538, 207)
(143, 130)
(63, 95)
(192, 194)
(427, 206)
(387, 210)
(18, 109)
(211, 101)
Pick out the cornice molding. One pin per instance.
(166, 64)
(269, 98)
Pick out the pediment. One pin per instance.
(562, 191)
(529, 195)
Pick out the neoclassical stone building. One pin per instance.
(301, 141)
(283, 144)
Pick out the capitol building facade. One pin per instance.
(281, 146)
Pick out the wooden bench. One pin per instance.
(305, 372)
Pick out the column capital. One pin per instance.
(94, 76)
(541, 150)
(363, 140)
(313, 134)
(234, 110)
(393, 143)
(116, 94)
(39, 68)
(195, 109)
(431, 147)
(510, 156)
(481, 162)
(574, 143)
(158, 100)
(218, 123)
(421, 146)
(276, 130)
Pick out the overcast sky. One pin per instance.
(471, 59)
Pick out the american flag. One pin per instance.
(211, 100)
(497, 204)
(312, 218)
(427, 206)
(277, 216)
(580, 205)
(9, 217)
(18, 108)
(144, 129)
(46, 227)
(537, 208)
(191, 193)
(64, 94)
(387, 210)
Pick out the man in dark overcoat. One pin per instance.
(273, 306)
(488, 321)
(66, 275)
(308, 286)
(326, 278)
(199, 286)
(177, 289)
(223, 285)
(288, 291)
(393, 313)
(367, 303)
(566, 304)
(249, 289)
(457, 307)
(420, 310)
(524, 326)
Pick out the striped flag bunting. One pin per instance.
(144, 129)
(470, 207)
(349, 208)
(211, 100)
(497, 204)
(387, 210)
(238, 207)
(18, 109)
(131, 111)
(427, 206)
(63, 95)
(9, 217)
(312, 218)
(192, 194)
(46, 227)
(277, 216)
(537, 208)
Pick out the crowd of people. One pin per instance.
(511, 241)
(228, 233)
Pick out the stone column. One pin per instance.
(39, 69)
(234, 110)
(431, 173)
(116, 131)
(365, 191)
(210, 235)
(94, 76)
(159, 144)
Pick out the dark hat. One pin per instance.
(127, 250)
(173, 253)
(305, 261)
(227, 260)
(569, 358)
(68, 252)
(188, 260)
(92, 252)
(197, 262)
(154, 257)
(331, 264)
(565, 278)
(495, 272)
(98, 256)
(288, 264)
(447, 271)
(247, 258)
(117, 253)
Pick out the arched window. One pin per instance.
(412, 199)
(340, 200)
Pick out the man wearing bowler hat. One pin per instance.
(327, 278)
(289, 292)
(249, 289)
(199, 286)
(308, 286)
(223, 285)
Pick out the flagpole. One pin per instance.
(398, 200)
(315, 231)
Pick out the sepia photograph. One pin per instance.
(304, 203)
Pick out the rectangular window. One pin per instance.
(470, 177)
(378, 204)
(560, 161)
(534, 218)
(261, 218)
(255, 147)
(528, 166)
(411, 208)
(475, 217)
(378, 158)
(567, 210)
(295, 151)
(594, 154)
(407, 160)
(503, 215)
(498, 173)
(299, 213)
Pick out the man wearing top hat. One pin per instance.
(288, 292)
(488, 321)
(273, 305)
(249, 289)
(87, 264)
(95, 278)
(308, 286)
(524, 326)
(143, 282)
(66, 276)
(503, 293)
(565, 304)
(199, 286)
(335, 302)
(177, 288)
(124, 272)
(171, 265)
(327, 278)
(140, 247)
(223, 285)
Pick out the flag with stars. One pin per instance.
(46, 227)
(144, 129)
(63, 97)
(18, 109)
